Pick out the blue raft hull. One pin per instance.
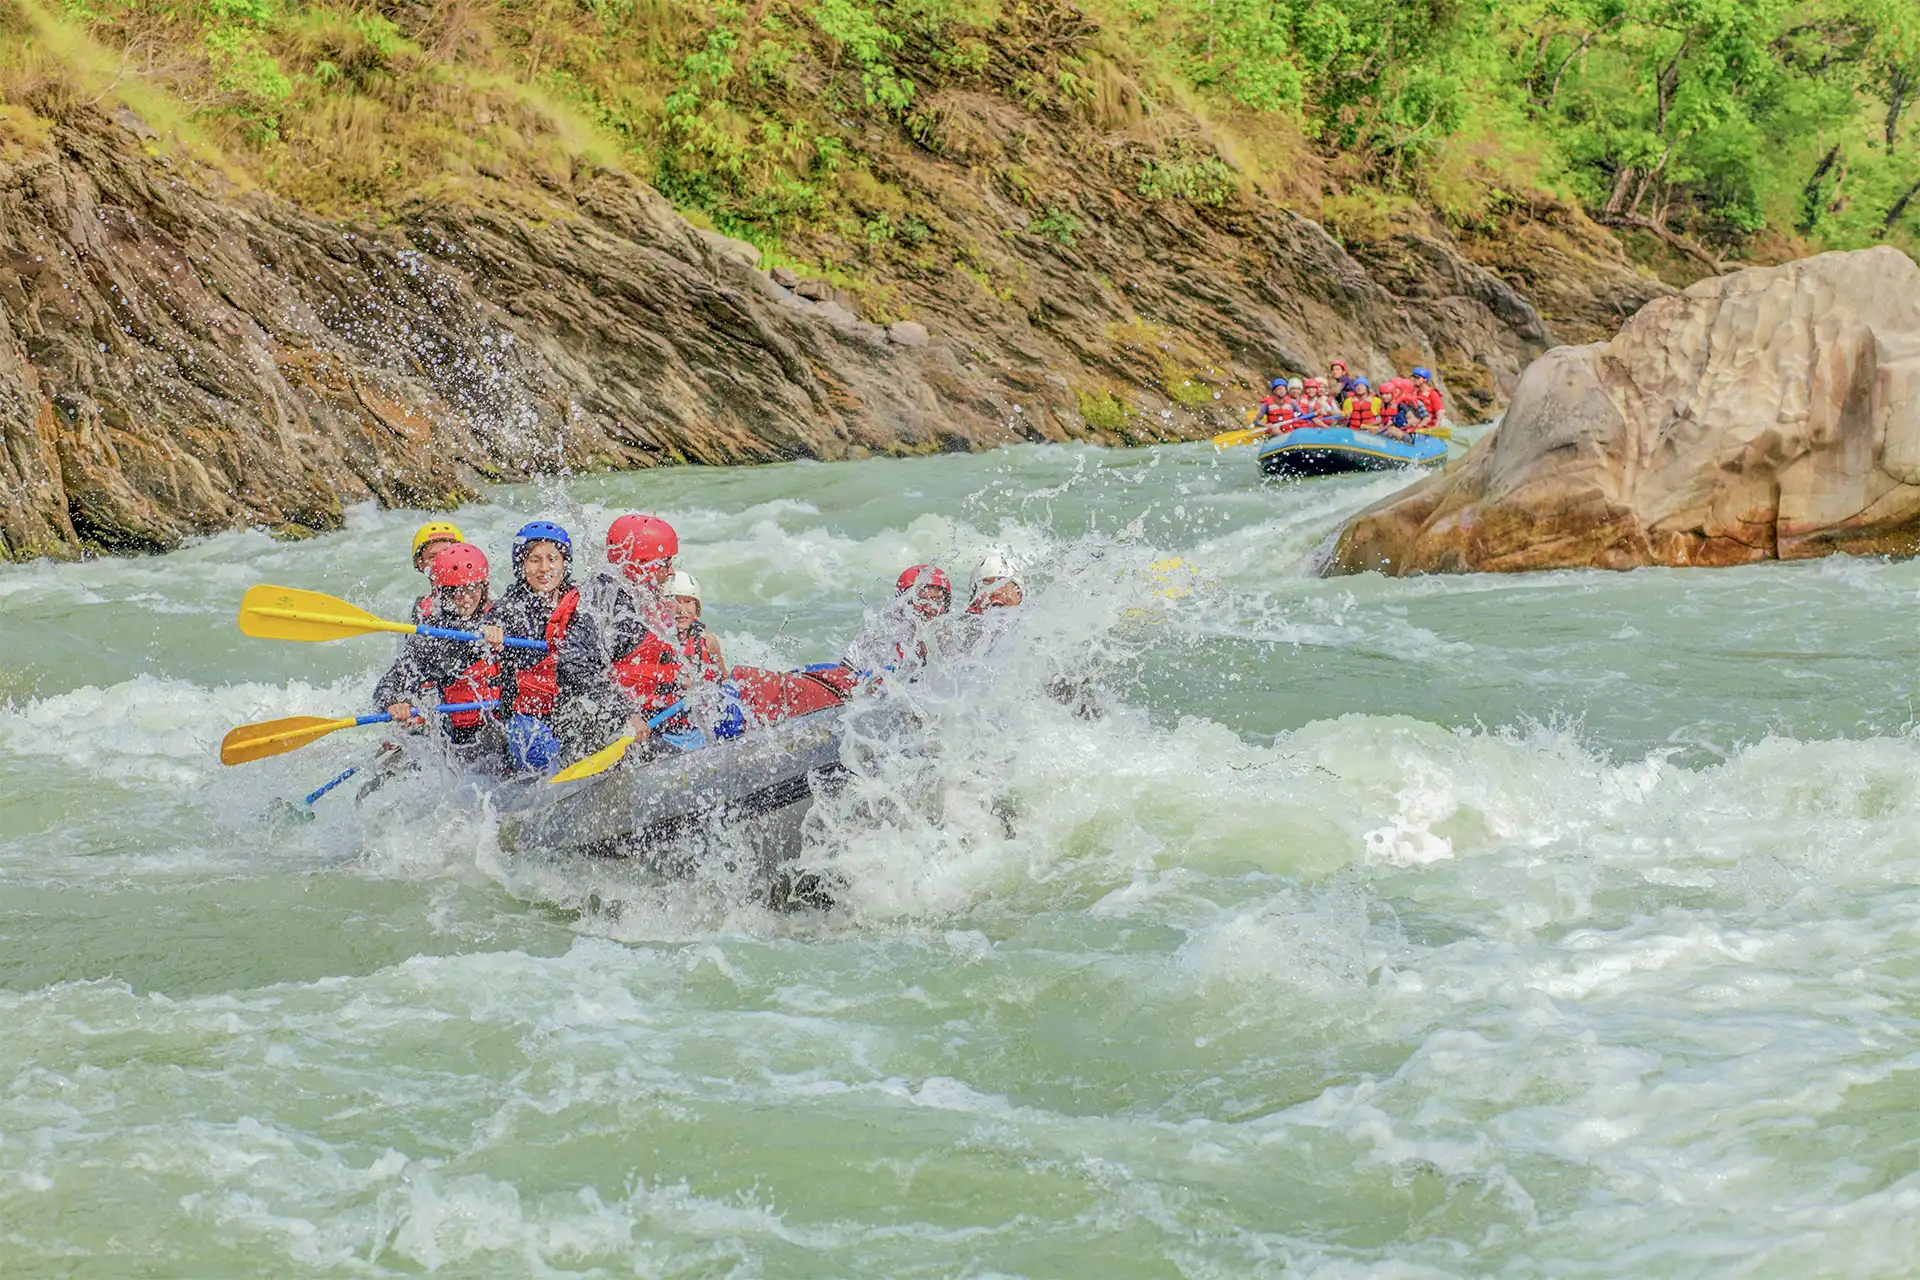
(1327, 451)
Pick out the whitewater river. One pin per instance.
(1559, 925)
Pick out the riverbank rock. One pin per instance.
(180, 357)
(1772, 413)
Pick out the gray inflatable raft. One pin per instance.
(738, 805)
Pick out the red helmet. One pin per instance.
(460, 565)
(1314, 384)
(924, 573)
(634, 539)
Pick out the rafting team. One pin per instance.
(626, 652)
(1403, 406)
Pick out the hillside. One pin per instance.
(1114, 220)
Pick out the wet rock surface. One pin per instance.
(1769, 414)
(177, 358)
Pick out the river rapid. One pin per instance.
(1562, 924)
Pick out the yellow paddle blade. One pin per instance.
(286, 613)
(1228, 439)
(599, 762)
(276, 737)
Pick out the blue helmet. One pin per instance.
(1421, 371)
(1362, 382)
(541, 531)
(1278, 384)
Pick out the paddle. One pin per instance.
(277, 737)
(1251, 435)
(611, 754)
(1229, 439)
(287, 613)
(338, 778)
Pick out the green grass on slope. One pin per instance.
(1723, 127)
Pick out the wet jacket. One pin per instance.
(429, 671)
(700, 652)
(570, 679)
(643, 649)
(896, 640)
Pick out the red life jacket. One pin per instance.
(1362, 412)
(480, 682)
(650, 673)
(538, 687)
(702, 653)
(1430, 398)
(1272, 409)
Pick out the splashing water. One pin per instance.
(1444, 927)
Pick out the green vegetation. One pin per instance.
(1719, 128)
(1105, 411)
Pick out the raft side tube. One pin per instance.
(1322, 451)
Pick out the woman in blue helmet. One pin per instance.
(548, 698)
(1426, 397)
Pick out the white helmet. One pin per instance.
(683, 583)
(993, 567)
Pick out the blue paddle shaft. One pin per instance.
(445, 708)
(331, 785)
(382, 718)
(512, 642)
(667, 715)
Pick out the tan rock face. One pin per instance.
(1773, 413)
(178, 359)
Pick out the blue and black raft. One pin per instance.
(1327, 451)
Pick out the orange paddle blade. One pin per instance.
(276, 737)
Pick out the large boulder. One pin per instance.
(1773, 413)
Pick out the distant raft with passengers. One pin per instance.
(1327, 451)
(1332, 426)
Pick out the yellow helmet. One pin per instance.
(435, 531)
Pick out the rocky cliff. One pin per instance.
(179, 357)
(1773, 413)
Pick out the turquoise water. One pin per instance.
(1559, 924)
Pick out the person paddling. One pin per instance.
(630, 598)
(548, 697)
(429, 540)
(995, 585)
(1362, 410)
(931, 590)
(922, 594)
(698, 645)
(1272, 408)
(1317, 407)
(995, 597)
(430, 671)
(1341, 383)
(1396, 403)
(1426, 398)
(1291, 410)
